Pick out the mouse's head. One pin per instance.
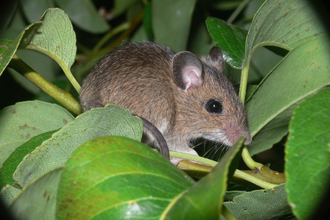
(207, 104)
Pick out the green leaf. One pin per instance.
(301, 73)
(6, 53)
(200, 42)
(39, 62)
(226, 4)
(140, 35)
(7, 13)
(24, 120)
(84, 14)
(111, 120)
(8, 194)
(269, 124)
(38, 199)
(9, 47)
(307, 154)
(231, 40)
(204, 200)
(284, 24)
(171, 22)
(147, 21)
(34, 9)
(55, 38)
(122, 6)
(10, 165)
(260, 204)
(117, 178)
(15, 27)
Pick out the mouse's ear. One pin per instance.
(216, 56)
(187, 70)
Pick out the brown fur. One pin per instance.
(139, 77)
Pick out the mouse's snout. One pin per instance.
(234, 131)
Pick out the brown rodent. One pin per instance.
(184, 96)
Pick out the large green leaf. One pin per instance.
(10, 165)
(111, 120)
(260, 204)
(118, 178)
(293, 79)
(24, 120)
(204, 200)
(307, 154)
(301, 73)
(55, 38)
(284, 24)
(172, 21)
(38, 199)
(84, 14)
(230, 39)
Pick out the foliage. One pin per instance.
(61, 161)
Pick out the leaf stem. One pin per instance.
(249, 161)
(254, 180)
(242, 94)
(243, 84)
(237, 11)
(96, 55)
(63, 97)
(195, 158)
(61, 63)
(238, 173)
(136, 20)
(110, 34)
(71, 78)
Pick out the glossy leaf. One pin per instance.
(260, 204)
(171, 21)
(38, 200)
(284, 24)
(204, 200)
(231, 40)
(10, 165)
(117, 178)
(24, 120)
(84, 14)
(111, 120)
(307, 154)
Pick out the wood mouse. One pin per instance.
(184, 96)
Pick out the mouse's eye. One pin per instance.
(213, 106)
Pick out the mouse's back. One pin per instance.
(136, 77)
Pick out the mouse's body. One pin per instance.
(184, 96)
